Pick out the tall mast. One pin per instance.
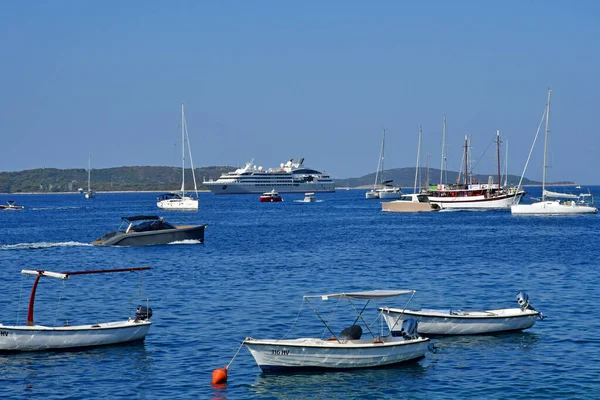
(418, 159)
(382, 154)
(498, 151)
(546, 145)
(182, 152)
(443, 166)
(506, 165)
(466, 160)
(89, 170)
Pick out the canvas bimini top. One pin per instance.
(366, 295)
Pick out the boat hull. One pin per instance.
(281, 187)
(463, 323)
(317, 354)
(477, 202)
(178, 204)
(147, 238)
(552, 208)
(39, 338)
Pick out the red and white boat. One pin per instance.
(270, 197)
(32, 337)
(11, 206)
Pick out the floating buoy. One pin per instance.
(219, 375)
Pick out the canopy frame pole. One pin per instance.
(322, 320)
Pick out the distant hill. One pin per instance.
(405, 177)
(46, 180)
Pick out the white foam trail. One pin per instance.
(41, 245)
(187, 241)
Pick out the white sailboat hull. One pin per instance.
(390, 194)
(371, 195)
(434, 322)
(553, 207)
(38, 338)
(185, 203)
(477, 202)
(310, 354)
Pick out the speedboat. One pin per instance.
(270, 197)
(413, 202)
(11, 206)
(457, 322)
(144, 230)
(346, 350)
(32, 337)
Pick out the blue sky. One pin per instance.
(273, 80)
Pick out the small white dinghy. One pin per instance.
(346, 350)
(32, 337)
(456, 322)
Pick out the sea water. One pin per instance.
(248, 279)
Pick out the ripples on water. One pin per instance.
(250, 275)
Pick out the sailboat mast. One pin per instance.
(382, 155)
(442, 167)
(418, 159)
(546, 146)
(89, 170)
(506, 165)
(498, 153)
(182, 152)
(466, 160)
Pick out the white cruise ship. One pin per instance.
(290, 177)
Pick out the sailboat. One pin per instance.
(554, 203)
(472, 194)
(179, 200)
(90, 194)
(387, 190)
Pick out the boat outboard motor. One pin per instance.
(523, 300)
(353, 332)
(409, 328)
(143, 313)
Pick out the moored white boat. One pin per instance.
(412, 202)
(344, 351)
(32, 337)
(457, 322)
(181, 201)
(554, 203)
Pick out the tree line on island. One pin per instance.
(147, 178)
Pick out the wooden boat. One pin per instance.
(11, 206)
(32, 337)
(349, 349)
(457, 322)
(145, 230)
(270, 197)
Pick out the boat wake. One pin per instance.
(41, 245)
(188, 241)
(56, 208)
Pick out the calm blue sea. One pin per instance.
(249, 277)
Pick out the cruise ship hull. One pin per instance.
(236, 188)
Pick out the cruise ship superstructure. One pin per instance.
(291, 177)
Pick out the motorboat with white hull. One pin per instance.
(145, 230)
(11, 206)
(413, 202)
(348, 350)
(181, 201)
(457, 322)
(32, 337)
(291, 177)
(554, 203)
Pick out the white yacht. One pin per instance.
(291, 177)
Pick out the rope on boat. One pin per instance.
(293, 323)
(58, 305)
(19, 306)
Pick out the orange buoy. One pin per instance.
(219, 375)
